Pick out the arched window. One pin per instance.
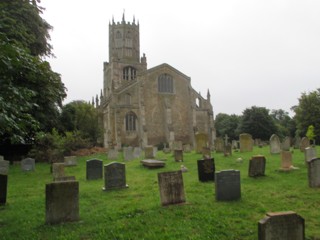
(118, 34)
(131, 120)
(165, 83)
(198, 102)
(129, 73)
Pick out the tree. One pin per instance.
(284, 123)
(307, 113)
(31, 93)
(257, 122)
(227, 125)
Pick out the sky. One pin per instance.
(262, 53)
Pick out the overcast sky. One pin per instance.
(246, 52)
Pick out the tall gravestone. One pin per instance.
(28, 164)
(314, 172)
(201, 141)
(4, 170)
(206, 170)
(171, 188)
(94, 169)
(114, 176)
(62, 202)
(275, 146)
(149, 152)
(257, 166)
(281, 226)
(286, 144)
(227, 185)
(310, 153)
(178, 155)
(246, 142)
(304, 144)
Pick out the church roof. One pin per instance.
(165, 65)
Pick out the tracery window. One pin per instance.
(129, 73)
(165, 83)
(131, 120)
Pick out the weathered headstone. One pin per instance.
(113, 154)
(235, 144)
(286, 144)
(219, 145)
(28, 164)
(257, 166)
(286, 161)
(70, 161)
(94, 169)
(62, 202)
(304, 144)
(246, 142)
(58, 170)
(274, 144)
(187, 148)
(206, 169)
(281, 226)
(227, 185)
(177, 145)
(201, 141)
(114, 176)
(206, 152)
(227, 150)
(178, 155)
(4, 167)
(3, 188)
(148, 152)
(152, 163)
(314, 172)
(310, 153)
(171, 188)
(128, 153)
(137, 152)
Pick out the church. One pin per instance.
(141, 106)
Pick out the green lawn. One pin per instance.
(136, 212)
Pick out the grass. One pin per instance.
(136, 212)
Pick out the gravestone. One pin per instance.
(309, 153)
(219, 145)
(304, 144)
(281, 226)
(201, 141)
(148, 152)
(152, 163)
(3, 188)
(187, 148)
(28, 164)
(137, 152)
(114, 176)
(113, 154)
(246, 142)
(285, 146)
(178, 155)
(4, 167)
(206, 153)
(128, 153)
(94, 169)
(257, 166)
(62, 202)
(177, 145)
(206, 170)
(297, 141)
(58, 170)
(274, 144)
(314, 172)
(234, 144)
(227, 185)
(171, 188)
(227, 150)
(70, 161)
(286, 161)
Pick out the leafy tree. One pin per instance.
(307, 113)
(227, 125)
(257, 122)
(30, 93)
(284, 123)
(310, 133)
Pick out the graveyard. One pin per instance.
(135, 210)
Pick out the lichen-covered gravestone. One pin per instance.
(171, 188)
(281, 226)
(246, 142)
(257, 166)
(149, 152)
(201, 141)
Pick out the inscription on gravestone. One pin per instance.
(114, 176)
(281, 226)
(257, 166)
(227, 185)
(171, 188)
(94, 169)
(206, 170)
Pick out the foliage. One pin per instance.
(257, 122)
(284, 123)
(83, 118)
(227, 125)
(30, 93)
(310, 133)
(308, 113)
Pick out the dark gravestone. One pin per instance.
(227, 185)
(171, 188)
(3, 188)
(64, 179)
(114, 176)
(178, 155)
(94, 169)
(28, 164)
(281, 226)
(206, 170)
(257, 166)
(314, 172)
(62, 202)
